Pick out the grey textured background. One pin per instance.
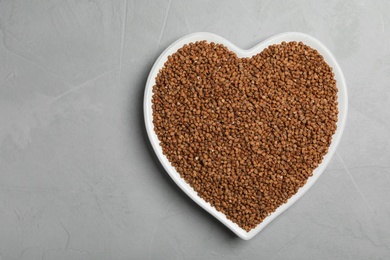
(78, 179)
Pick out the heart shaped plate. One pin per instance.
(209, 37)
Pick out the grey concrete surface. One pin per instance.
(78, 179)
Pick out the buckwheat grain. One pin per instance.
(245, 133)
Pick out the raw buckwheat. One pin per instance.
(245, 133)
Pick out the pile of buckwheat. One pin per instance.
(245, 133)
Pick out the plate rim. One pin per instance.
(184, 186)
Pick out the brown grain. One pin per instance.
(245, 133)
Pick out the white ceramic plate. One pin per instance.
(290, 36)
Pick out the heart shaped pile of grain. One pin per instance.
(245, 133)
